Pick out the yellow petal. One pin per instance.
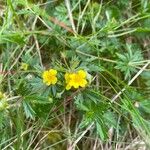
(72, 76)
(76, 85)
(54, 80)
(71, 83)
(68, 87)
(83, 83)
(67, 77)
(48, 83)
(53, 72)
(44, 74)
(82, 73)
(49, 77)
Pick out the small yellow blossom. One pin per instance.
(2, 95)
(49, 77)
(67, 77)
(3, 101)
(76, 80)
(3, 105)
(24, 66)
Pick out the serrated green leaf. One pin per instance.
(30, 113)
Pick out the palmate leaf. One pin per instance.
(37, 99)
(37, 84)
(93, 107)
(30, 113)
(30, 60)
(101, 130)
(30, 103)
(22, 88)
(145, 106)
(111, 119)
(126, 61)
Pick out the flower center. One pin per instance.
(77, 78)
(50, 77)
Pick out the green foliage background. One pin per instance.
(109, 39)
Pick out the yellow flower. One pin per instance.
(2, 95)
(49, 77)
(76, 80)
(67, 77)
(24, 66)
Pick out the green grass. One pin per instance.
(109, 40)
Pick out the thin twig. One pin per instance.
(80, 137)
(131, 81)
(25, 132)
(36, 41)
(13, 64)
(61, 24)
(95, 57)
(82, 14)
(70, 15)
